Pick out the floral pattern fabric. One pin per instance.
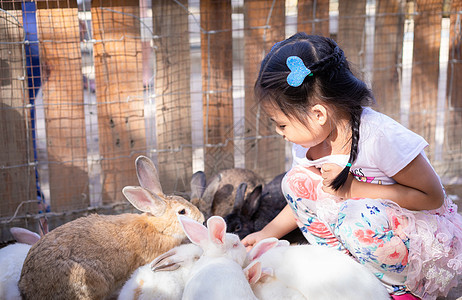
(397, 245)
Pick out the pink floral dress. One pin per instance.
(412, 251)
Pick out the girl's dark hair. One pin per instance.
(332, 83)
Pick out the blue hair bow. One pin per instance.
(298, 71)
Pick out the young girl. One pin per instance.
(360, 181)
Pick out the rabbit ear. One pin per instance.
(147, 175)
(195, 231)
(261, 247)
(209, 194)
(283, 243)
(24, 236)
(240, 198)
(266, 272)
(252, 203)
(164, 262)
(217, 229)
(253, 272)
(43, 226)
(197, 184)
(144, 200)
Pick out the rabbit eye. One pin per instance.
(182, 212)
(238, 228)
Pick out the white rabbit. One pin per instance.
(11, 260)
(92, 257)
(262, 280)
(261, 247)
(319, 272)
(218, 273)
(268, 287)
(164, 277)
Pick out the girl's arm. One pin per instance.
(281, 225)
(417, 186)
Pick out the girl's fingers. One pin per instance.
(325, 168)
(325, 171)
(315, 170)
(248, 241)
(248, 244)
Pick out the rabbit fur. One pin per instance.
(217, 197)
(11, 260)
(262, 280)
(218, 273)
(266, 286)
(92, 257)
(318, 272)
(251, 214)
(164, 277)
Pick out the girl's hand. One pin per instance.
(281, 225)
(253, 238)
(329, 172)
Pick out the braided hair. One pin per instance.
(332, 82)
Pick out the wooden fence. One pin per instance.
(87, 88)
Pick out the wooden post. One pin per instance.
(452, 154)
(425, 68)
(17, 178)
(59, 37)
(173, 99)
(264, 26)
(119, 92)
(351, 19)
(313, 17)
(388, 46)
(217, 70)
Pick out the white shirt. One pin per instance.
(385, 148)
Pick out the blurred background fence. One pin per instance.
(86, 87)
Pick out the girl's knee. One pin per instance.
(362, 224)
(367, 213)
(365, 230)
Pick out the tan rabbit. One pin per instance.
(92, 257)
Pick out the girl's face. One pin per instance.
(308, 135)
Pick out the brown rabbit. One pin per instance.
(91, 257)
(217, 197)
